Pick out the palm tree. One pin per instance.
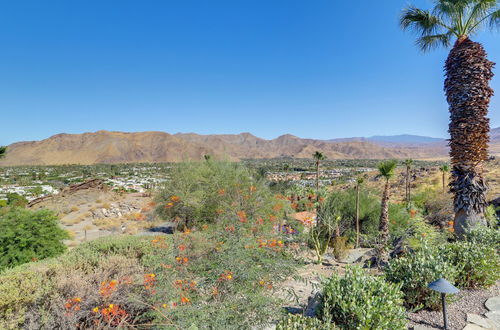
(359, 182)
(3, 151)
(318, 156)
(386, 170)
(444, 169)
(408, 163)
(468, 73)
(207, 157)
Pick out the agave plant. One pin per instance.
(468, 73)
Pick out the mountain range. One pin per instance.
(121, 147)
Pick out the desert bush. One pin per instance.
(477, 264)
(16, 200)
(214, 192)
(222, 278)
(415, 270)
(65, 291)
(485, 236)
(26, 236)
(361, 301)
(299, 322)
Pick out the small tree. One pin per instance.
(386, 170)
(27, 236)
(444, 169)
(3, 151)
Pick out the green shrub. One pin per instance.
(361, 301)
(214, 192)
(299, 322)
(27, 236)
(477, 265)
(415, 270)
(485, 236)
(16, 200)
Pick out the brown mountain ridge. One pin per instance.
(121, 147)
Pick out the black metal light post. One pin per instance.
(444, 287)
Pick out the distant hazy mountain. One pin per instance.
(120, 147)
(404, 138)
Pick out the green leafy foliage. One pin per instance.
(299, 322)
(485, 236)
(213, 191)
(415, 270)
(16, 200)
(26, 236)
(477, 264)
(361, 301)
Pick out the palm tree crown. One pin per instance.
(387, 168)
(449, 19)
(319, 156)
(444, 168)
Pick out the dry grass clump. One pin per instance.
(72, 221)
(105, 206)
(108, 223)
(75, 209)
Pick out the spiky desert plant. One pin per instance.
(318, 157)
(386, 171)
(468, 73)
(408, 163)
(444, 169)
(359, 182)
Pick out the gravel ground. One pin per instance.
(469, 301)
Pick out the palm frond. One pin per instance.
(495, 19)
(3, 151)
(387, 168)
(431, 42)
(478, 12)
(421, 21)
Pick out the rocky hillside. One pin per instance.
(120, 147)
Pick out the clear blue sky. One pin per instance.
(318, 69)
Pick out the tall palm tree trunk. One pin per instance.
(444, 182)
(357, 215)
(317, 179)
(384, 216)
(468, 72)
(407, 185)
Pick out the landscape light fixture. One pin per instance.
(444, 287)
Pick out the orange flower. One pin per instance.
(221, 192)
(253, 188)
(181, 247)
(185, 300)
(169, 205)
(242, 215)
(175, 198)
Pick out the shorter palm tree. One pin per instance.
(318, 157)
(386, 170)
(444, 169)
(408, 163)
(359, 182)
